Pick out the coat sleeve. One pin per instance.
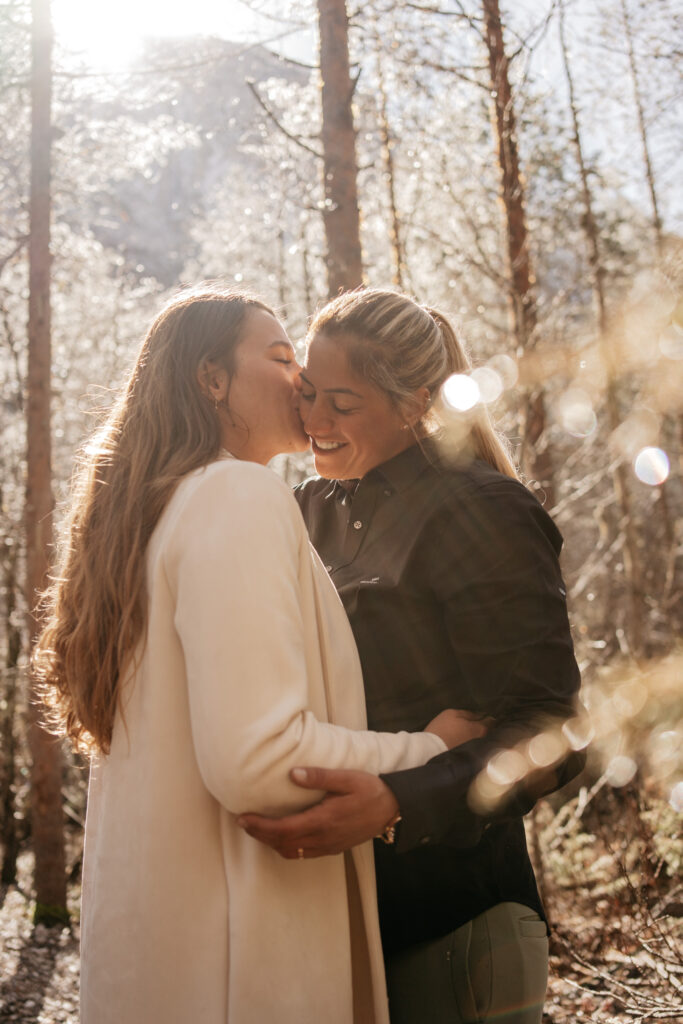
(504, 606)
(232, 562)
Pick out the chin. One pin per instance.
(327, 472)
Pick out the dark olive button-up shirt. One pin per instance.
(450, 577)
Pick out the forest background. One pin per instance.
(517, 165)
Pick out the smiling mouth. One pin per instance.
(327, 446)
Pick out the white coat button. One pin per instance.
(328, 568)
(357, 525)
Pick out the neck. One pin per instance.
(239, 444)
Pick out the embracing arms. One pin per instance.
(490, 560)
(235, 555)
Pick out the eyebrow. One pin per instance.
(282, 344)
(331, 391)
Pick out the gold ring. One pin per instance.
(300, 853)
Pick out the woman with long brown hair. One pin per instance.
(195, 648)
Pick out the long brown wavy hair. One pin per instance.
(161, 427)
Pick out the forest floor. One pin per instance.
(616, 953)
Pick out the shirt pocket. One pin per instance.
(531, 926)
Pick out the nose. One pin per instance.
(313, 417)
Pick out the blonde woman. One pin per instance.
(448, 570)
(196, 648)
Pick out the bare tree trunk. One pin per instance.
(636, 610)
(536, 454)
(47, 823)
(341, 215)
(7, 732)
(397, 251)
(305, 270)
(281, 275)
(649, 173)
(589, 225)
(662, 505)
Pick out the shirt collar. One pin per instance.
(399, 472)
(407, 466)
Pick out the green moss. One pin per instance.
(50, 916)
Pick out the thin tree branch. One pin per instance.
(21, 242)
(428, 9)
(293, 138)
(457, 73)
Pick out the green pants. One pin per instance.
(492, 969)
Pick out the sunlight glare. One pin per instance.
(546, 748)
(578, 732)
(575, 412)
(651, 465)
(637, 431)
(676, 797)
(489, 382)
(507, 767)
(620, 770)
(665, 749)
(671, 341)
(108, 37)
(460, 392)
(506, 368)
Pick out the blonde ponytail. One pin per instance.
(486, 442)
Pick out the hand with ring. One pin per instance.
(357, 807)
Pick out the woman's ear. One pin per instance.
(213, 380)
(416, 406)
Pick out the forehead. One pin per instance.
(261, 330)
(327, 360)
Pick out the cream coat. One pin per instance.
(248, 658)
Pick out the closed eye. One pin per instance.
(309, 396)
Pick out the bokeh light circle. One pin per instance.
(460, 392)
(575, 412)
(489, 382)
(506, 368)
(676, 797)
(671, 341)
(620, 770)
(651, 465)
